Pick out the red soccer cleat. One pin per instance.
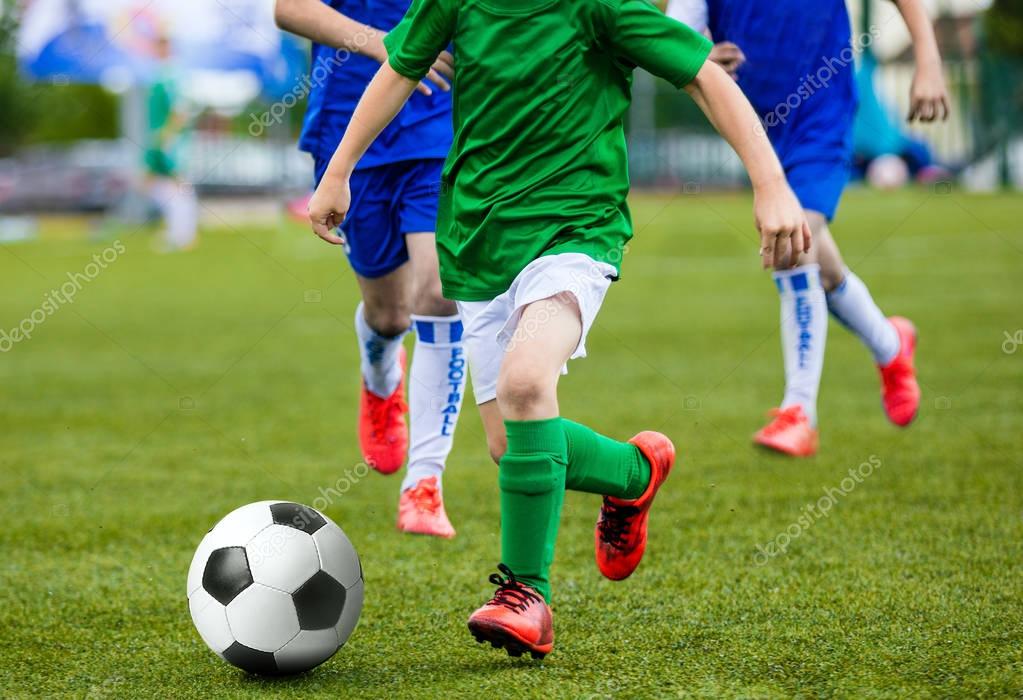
(383, 432)
(900, 393)
(421, 510)
(789, 433)
(516, 618)
(620, 536)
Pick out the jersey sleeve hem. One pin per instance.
(688, 72)
(399, 66)
(403, 70)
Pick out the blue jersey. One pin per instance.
(422, 130)
(800, 77)
(798, 52)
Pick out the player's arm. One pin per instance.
(412, 47)
(384, 97)
(928, 95)
(643, 37)
(780, 219)
(321, 23)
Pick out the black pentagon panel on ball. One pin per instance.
(251, 660)
(227, 574)
(319, 602)
(297, 516)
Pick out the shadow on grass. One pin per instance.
(370, 677)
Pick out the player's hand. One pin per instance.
(328, 208)
(784, 231)
(728, 56)
(441, 74)
(928, 96)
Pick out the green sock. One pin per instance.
(598, 464)
(532, 480)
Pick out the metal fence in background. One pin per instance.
(671, 143)
(671, 146)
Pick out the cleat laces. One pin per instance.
(511, 593)
(783, 419)
(614, 525)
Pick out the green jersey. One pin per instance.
(160, 157)
(538, 165)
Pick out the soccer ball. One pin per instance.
(275, 588)
(887, 172)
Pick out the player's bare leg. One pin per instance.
(540, 455)
(892, 341)
(410, 297)
(381, 321)
(437, 380)
(532, 476)
(493, 426)
(804, 326)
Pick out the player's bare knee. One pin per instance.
(389, 321)
(522, 388)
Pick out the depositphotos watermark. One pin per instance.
(812, 512)
(1012, 341)
(820, 79)
(56, 298)
(343, 485)
(275, 544)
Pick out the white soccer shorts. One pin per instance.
(491, 325)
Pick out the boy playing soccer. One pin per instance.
(390, 246)
(532, 223)
(801, 82)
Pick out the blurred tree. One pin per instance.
(46, 112)
(18, 110)
(73, 112)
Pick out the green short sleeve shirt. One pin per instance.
(538, 164)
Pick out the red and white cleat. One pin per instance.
(900, 392)
(421, 510)
(620, 535)
(517, 618)
(789, 433)
(383, 432)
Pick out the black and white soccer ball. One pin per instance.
(275, 588)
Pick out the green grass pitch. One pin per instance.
(176, 388)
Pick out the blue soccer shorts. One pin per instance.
(815, 147)
(388, 203)
(819, 182)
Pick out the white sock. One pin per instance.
(436, 385)
(804, 332)
(179, 208)
(851, 303)
(379, 357)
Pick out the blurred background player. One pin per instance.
(794, 60)
(390, 245)
(167, 131)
